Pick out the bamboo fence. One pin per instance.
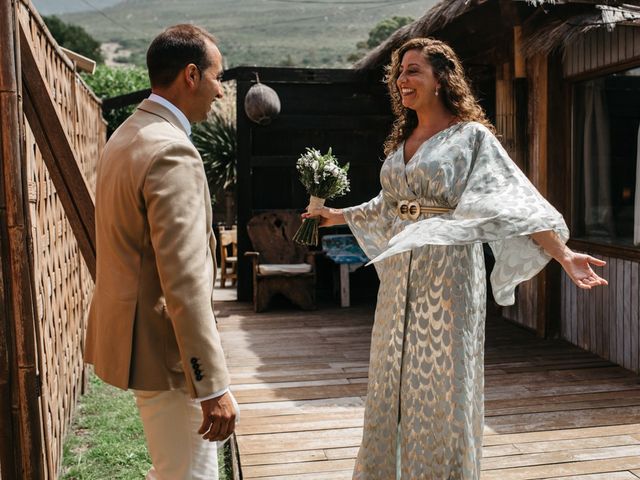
(62, 284)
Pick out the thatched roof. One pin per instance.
(436, 18)
(545, 33)
(554, 33)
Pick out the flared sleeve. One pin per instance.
(370, 223)
(498, 205)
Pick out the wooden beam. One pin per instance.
(331, 76)
(538, 172)
(244, 194)
(518, 55)
(80, 61)
(8, 435)
(559, 149)
(52, 140)
(508, 13)
(19, 322)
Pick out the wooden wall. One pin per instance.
(606, 321)
(538, 304)
(511, 114)
(343, 109)
(601, 50)
(523, 311)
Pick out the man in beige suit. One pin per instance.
(151, 324)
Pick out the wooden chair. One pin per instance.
(228, 242)
(280, 266)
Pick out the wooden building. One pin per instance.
(565, 76)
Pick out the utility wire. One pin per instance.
(112, 20)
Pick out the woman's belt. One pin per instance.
(411, 210)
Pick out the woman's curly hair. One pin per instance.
(454, 89)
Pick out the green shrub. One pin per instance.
(107, 82)
(74, 37)
(215, 139)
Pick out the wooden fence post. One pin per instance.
(18, 307)
(8, 448)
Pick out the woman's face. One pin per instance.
(416, 82)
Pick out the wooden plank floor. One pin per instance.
(552, 410)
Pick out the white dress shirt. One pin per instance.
(184, 121)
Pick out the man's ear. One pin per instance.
(191, 75)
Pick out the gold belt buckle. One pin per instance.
(408, 210)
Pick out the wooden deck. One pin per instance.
(552, 410)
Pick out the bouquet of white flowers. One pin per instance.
(324, 178)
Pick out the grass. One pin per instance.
(106, 439)
(318, 33)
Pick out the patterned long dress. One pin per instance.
(424, 409)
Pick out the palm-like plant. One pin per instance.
(215, 139)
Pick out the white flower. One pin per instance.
(321, 174)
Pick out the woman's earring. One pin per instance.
(436, 92)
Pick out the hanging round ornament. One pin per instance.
(261, 104)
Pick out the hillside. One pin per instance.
(251, 32)
(57, 7)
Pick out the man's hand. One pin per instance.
(218, 418)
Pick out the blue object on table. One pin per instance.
(347, 254)
(343, 249)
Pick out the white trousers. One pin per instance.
(171, 420)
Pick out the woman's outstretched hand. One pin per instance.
(578, 267)
(327, 216)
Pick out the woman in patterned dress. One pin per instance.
(447, 187)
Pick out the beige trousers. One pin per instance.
(171, 420)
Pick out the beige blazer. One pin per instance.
(151, 322)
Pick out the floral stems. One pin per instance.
(307, 234)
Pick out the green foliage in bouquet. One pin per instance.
(324, 179)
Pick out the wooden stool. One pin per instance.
(228, 256)
(345, 252)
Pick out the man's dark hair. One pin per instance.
(174, 49)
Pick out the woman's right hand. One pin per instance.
(327, 216)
